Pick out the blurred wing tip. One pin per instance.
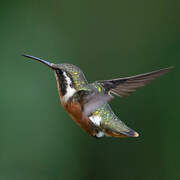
(169, 68)
(165, 70)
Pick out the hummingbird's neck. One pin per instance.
(69, 81)
(65, 85)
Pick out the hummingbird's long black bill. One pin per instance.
(51, 65)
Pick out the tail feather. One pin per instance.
(130, 133)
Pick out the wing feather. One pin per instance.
(125, 86)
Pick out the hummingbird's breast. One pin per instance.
(75, 111)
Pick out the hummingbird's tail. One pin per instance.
(130, 133)
(117, 128)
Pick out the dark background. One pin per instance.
(107, 39)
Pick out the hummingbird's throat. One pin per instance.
(65, 85)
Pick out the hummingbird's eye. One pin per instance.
(59, 71)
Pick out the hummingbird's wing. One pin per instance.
(91, 100)
(125, 86)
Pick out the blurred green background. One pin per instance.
(107, 39)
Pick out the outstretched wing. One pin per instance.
(125, 86)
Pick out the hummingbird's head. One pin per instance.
(69, 77)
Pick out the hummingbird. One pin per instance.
(88, 103)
